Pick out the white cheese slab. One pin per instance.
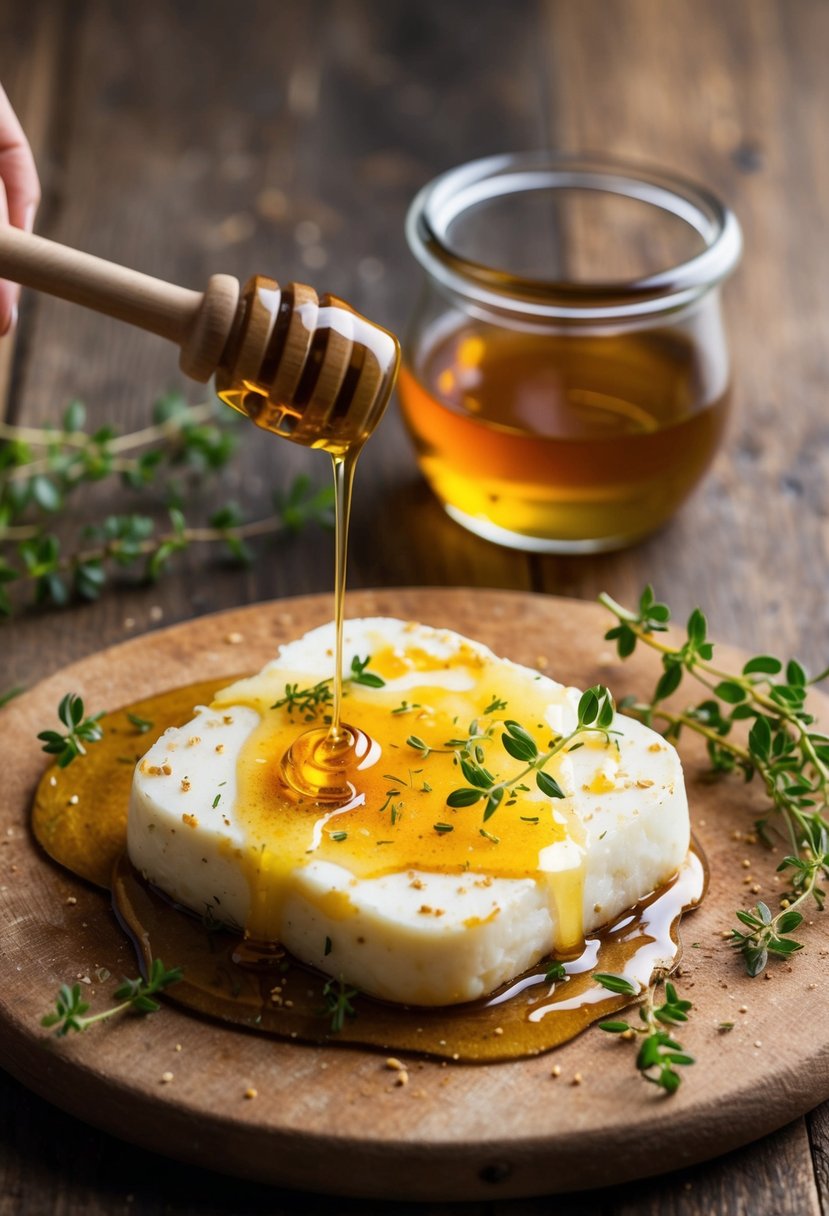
(630, 806)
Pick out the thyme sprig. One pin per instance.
(306, 701)
(659, 1053)
(41, 468)
(136, 540)
(765, 935)
(338, 997)
(781, 748)
(595, 715)
(80, 730)
(137, 995)
(310, 701)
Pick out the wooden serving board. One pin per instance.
(331, 1119)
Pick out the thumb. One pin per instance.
(9, 292)
(17, 168)
(19, 194)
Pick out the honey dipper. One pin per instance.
(306, 367)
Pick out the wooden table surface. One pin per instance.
(185, 139)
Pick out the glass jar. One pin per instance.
(565, 376)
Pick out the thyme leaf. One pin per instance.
(142, 725)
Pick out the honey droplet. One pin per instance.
(322, 763)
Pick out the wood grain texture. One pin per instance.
(736, 96)
(316, 115)
(336, 111)
(333, 1120)
(32, 76)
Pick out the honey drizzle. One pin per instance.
(336, 413)
(384, 747)
(332, 405)
(343, 470)
(317, 764)
(319, 761)
(527, 1017)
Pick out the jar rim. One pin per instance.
(457, 190)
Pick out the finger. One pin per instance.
(17, 168)
(9, 292)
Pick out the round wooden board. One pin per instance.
(329, 1119)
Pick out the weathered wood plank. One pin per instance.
(773, 1178)
(159, 160)
(818, 1126)
(737, 96)
(34, 39)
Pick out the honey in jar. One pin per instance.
(563, 415)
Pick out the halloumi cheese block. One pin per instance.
(395, 891)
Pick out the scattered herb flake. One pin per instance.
(555, 972)
(338, 997)
(142, 725)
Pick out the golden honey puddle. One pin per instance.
(527, 1017)
(80, 817)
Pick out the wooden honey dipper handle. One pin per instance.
(200, 323)
(305, 367)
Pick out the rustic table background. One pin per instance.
(185, 138)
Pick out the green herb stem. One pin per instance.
(50, 437)
(783, 750)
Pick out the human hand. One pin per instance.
(19, 195)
